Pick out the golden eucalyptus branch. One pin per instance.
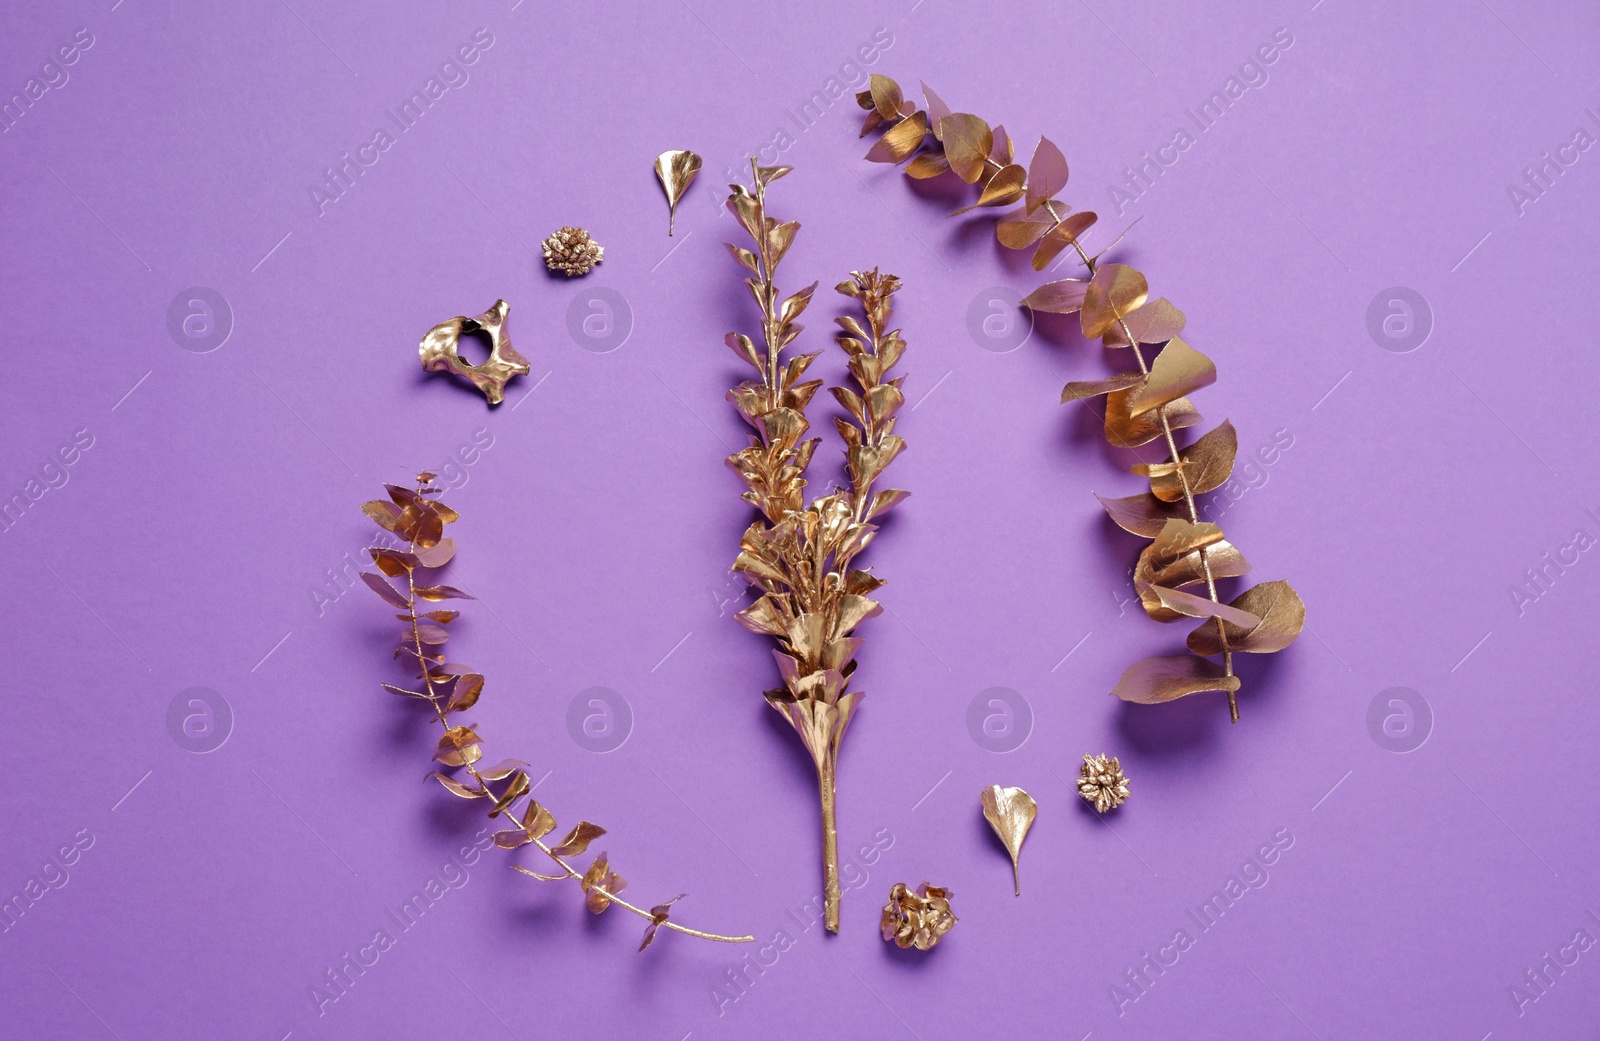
(1113, 305)
(799, 556)
(419, 518)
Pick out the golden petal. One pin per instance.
(1010, 812)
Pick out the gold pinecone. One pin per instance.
(1102, 783)
(572, 252)
(917, 919)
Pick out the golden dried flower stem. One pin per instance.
(434, 699)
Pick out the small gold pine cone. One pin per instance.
(572, 252)
(1102, 783)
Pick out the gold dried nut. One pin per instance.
(1102, 783)
(440, 351)
(917, 918)
(572, 252)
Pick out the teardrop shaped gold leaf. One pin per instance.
(676, 169)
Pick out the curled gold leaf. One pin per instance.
(1178, 370)
(1206, 465)
(1282, 613)
(1156, 680)
(1115, 291)
(1010, 812)
(676, 169)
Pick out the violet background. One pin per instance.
(598, 528)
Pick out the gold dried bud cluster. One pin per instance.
(1102, 783)
(417, 519)
(572, 252)
(918, 918)
(1145, 403)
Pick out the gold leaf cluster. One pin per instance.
(800, 555)
(404, 580)
(917, 918)
(1149, 402)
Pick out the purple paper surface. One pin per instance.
(1395, 841)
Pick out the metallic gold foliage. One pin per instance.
(572, 252)
(1102, 783)
(1149, 404)
(440, 353)
(800, 556)
(1010, 812)
(676, 170)
(917, 918)
(418, 517)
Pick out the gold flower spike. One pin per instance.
(1010, 812)
(676, 170)
(917, 919)
(440, 352)
(572, 252)
(1102, 783)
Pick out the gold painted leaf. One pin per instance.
(1010, 812)
(967, 141)
(1127, 430)
(1156, 680)
(1047, 174)
(465, 693)
(1180, 603)
(537, 819)
(403, 692)
(431, 634)
(1156, 322)
(511, 839)
(384, 589)
(542, 878)
(438, 555)
(1061, 297)
(886, 96)
(1177, 371)
(456, 788)
(458, 746)
(853, 610)
(1000, 151)
(1077, 390)
(383, 514)
(1062, 236)
(1116, 291)
(1020, 230)
(658, 917)
(393, 563)
(1209, 462)
(676, 169)
(937, 109)
(1282, 613)
(1174, 560)
(437, 593)
(1003, 189)
(1141, 514)
(578, 839)
(501, 770)
(520, 786)
(901, 140)
(928, 165)
(421, 524)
